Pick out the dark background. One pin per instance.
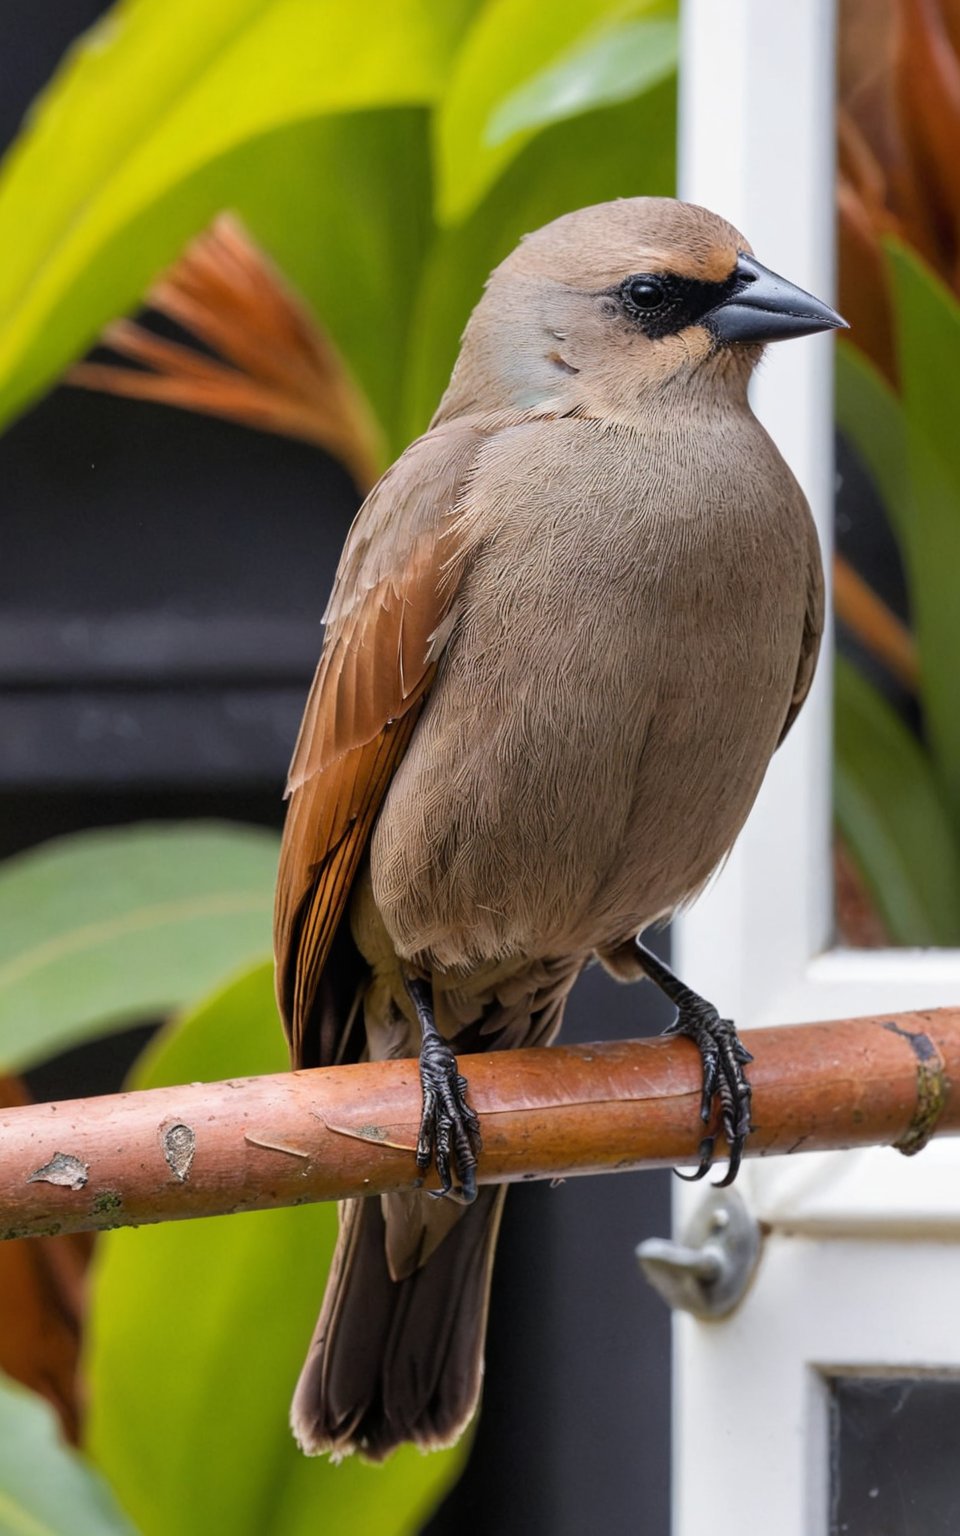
(160, 598)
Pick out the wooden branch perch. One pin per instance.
(216, 1148)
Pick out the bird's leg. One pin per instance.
(724, 1058)
(448, 1124)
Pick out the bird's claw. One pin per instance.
(449, 1130)
(724, 1057)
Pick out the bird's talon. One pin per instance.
(729, 1176)
(705, 1154)
(449, 1131)
(723, 1057)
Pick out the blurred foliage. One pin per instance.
(898, 397)
(887, 801)
(108, 928)
(150, 97)
(387, 221)
(46, 1489)
(262, 359)
(525, 65)
(385, 161)
(899, 174)
(198, 1329)
(928, 350)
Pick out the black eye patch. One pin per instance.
(663, 303)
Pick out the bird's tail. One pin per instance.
(394, 1360)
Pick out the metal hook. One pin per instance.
(708, 1274)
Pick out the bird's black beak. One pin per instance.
(764, 307)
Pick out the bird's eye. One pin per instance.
(645, 293)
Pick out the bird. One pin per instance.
(569, 628)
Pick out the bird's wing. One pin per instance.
(812, 629)
(387, 621)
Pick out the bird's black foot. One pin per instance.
(449, 1129)
(724, 1057)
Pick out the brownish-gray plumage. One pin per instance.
(569, 628)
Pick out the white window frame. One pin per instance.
(757, 145)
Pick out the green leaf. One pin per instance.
(891, 813)
(928, 342)
(871, 417)
(197, 1333)
(606, 68)
(152, 94)
(108, 927)
(572, 164)
(343, 206)
(45, 1488)
(525, 65)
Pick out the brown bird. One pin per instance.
(570, 626)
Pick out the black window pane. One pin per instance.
(895, 1456)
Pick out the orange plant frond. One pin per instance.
(871, 157)
(864, 289)
(870, 620)
(898, 130)
(274, 368)
(928, 95)
(865, 50)
(860, 166)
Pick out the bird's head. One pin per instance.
(611, 306)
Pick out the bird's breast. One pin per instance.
(623, 658)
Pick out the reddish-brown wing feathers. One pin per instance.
(394, 589)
